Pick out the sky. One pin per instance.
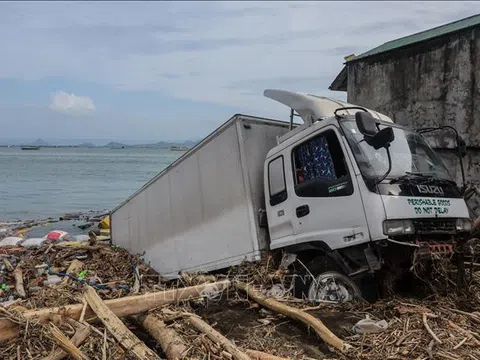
(152, 71)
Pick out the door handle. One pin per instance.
(302, 211)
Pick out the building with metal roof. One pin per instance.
(427, 79)
(340, 82)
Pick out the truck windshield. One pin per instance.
(410, 154)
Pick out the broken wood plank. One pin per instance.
(296, 314)
(218, 338)
(18, 275)
(81, 334)
(66, 344)
(117, 328)
(129, 305)
(73, 269)
(172, 344)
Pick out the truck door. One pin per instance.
(277, 198)
(326, 201)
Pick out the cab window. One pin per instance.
(276, 181)
(320, 169)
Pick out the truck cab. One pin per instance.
(353, 195)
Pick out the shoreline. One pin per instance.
(79, 222)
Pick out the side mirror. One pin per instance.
(383, 138)
(366, 123)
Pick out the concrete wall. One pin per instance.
(430, 84)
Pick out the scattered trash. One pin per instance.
(81, 238)
(52, 279)
(85, 226)
(33, 242)
(82, 275)
(10, 241)
(105, 223)
(368, 326)
(56, 275)
(56, 235)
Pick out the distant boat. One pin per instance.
(30, 147)
(179, 148)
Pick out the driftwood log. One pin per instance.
(117, 328)
(172, 344)
(296, 314)
(66, 344)
(81, 334)
(218, 338)
(129, 305)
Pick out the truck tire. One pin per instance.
(327, 284)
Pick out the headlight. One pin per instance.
(398, 227)
(464, 225)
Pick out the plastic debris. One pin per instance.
(81, 238)
(10, 241)
(33, 242)
(369, 326)
(82, 274)
(56, 235)
(52, 279)
(105, 223)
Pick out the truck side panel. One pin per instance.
(193, 216)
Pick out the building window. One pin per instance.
(276, 181)
(320, 167)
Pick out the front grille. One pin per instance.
(435, 226)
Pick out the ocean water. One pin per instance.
(53, 181)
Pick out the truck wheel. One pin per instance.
(327, 284)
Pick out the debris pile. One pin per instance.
(93, 300)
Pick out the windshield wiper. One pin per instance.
(428, 178)
(441, 181)
(410, 175)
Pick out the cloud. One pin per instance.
(218, 52)
(72, 104)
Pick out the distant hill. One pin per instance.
(85, 145)
(164, 145)
(115, 145)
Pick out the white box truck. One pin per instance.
(349, 193)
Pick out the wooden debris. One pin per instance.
(171, 343)
(259, 355)
(66, 344)
(296, 314)
(73, 269)
(117, 328)
(18, 275)
(218, 338)
(129, 305)
(8, 264)
(435, 337)
(77, 339)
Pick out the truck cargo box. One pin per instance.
(201, 212)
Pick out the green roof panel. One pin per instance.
(422, 36)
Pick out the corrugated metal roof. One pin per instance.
(422, 36)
